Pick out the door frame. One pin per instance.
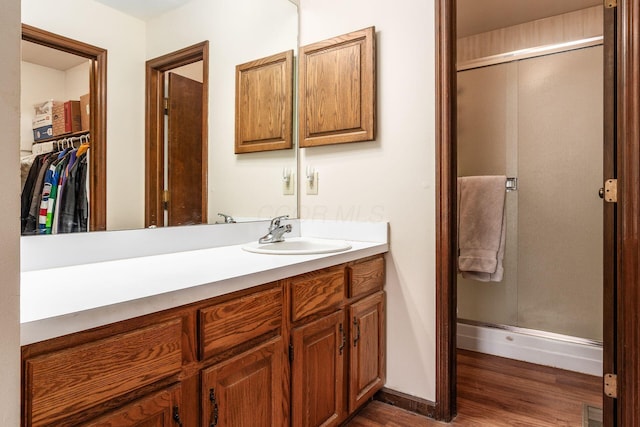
(154, 127)
(97, 114)
(622, 298)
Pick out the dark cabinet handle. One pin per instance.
(343, 338)
(356, 326)
(214, 412)
(176, 416)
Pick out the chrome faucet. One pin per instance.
(228, 219)
(276, 231)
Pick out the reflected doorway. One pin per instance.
(176, 142)
(97, 114)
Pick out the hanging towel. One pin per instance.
(481, 227)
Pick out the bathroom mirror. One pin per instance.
(248, 186)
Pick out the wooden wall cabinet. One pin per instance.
(264, 104)
(337, 90)
(227, 361)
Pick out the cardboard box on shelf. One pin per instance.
(41, 120)
(58, 119)
(85, 111)
(72, 116)
(43, 132)
(45, 107)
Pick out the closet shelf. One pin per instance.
(64, 135)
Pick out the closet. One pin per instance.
(65, 79)
(54, 169)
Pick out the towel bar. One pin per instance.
(511, 184)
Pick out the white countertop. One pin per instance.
(67, 299)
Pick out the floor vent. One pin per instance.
(591, 416)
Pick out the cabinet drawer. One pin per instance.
(69, 381)
(316, 292)
(230, 323)
(366, 277)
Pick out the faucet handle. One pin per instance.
(275, 222)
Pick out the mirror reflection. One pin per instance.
(247, 186)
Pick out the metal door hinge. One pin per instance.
(611, 385)
(165, 200)
(609, 4)
(165, 105)
(611, 191)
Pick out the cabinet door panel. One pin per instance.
(318, 372)
(367, 370)
(156, 410)
(246, 390)
(69, 381)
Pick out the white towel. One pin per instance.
(481, 227)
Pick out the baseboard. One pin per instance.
(406, 402)
(542, 350)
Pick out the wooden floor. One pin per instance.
(494, 391)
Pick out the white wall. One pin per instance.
(393, 177)
(124, 39)
(9, 222)
(76, 81)
(247, 185)
(38, 84)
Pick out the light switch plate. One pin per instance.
(312, 186)
(288, 187)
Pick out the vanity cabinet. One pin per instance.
(367, 350)
(304, 351)
(337, 341)
(160, 409)
(246, 390)
(317, 369)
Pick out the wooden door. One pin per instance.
(246, 390)
(185, 181)
(161, 409)
(367, 351)
(318, 388)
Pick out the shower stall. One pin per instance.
(538, 117)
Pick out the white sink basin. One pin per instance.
(298, 246)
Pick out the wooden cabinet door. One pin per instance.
(367, 360)
(246, 390)
(161, 409)
(318, 372)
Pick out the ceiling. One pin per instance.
(474, 16)
(479, 16)
(143, 9)
(51, 58)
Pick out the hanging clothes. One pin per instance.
(54, 196)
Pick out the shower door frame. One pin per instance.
(621, 293)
